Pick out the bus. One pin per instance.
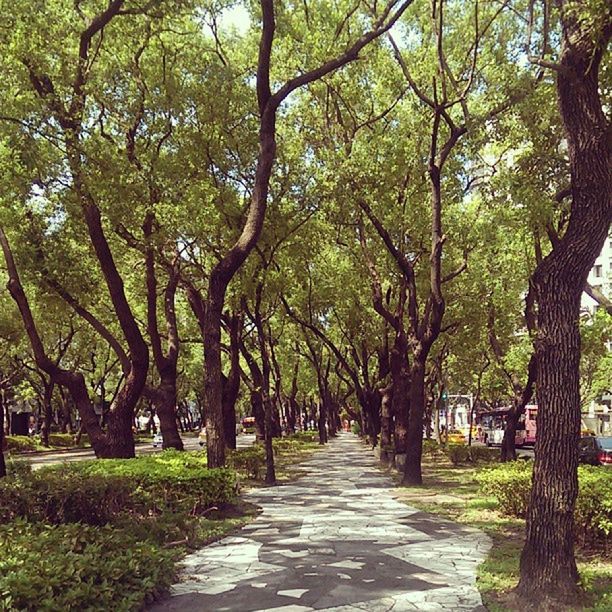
(248, 424)
(531, 417)
(492, 425)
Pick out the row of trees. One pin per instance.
(339, 207)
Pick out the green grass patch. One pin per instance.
(455, 492)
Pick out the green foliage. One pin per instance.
(98, 492)
(18, 467)
(79, 567)
(305, 436)
(430, 447)
(248, 461)
(593, 513)
(22, 444)
(510, 484)
(65, 440)
(461, 454)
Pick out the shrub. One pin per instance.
(510, 484)
(248, 461)
(170, 480)
(461, 454)
(430, 447)
(66, 440)
(593, 512)
(99, 491)
(356, 428)
(77, 567)
(55, 498)
(305, 436)
(21, 444)
(18, 468)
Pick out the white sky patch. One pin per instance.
(236, 17)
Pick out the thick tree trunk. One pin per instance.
(414, 450)
(213, 385)
(548, 568)
(400, 409)
(165, 407)
(508, 446)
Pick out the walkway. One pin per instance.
(335, 540)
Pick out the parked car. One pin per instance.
(157, 440)
(455, 436)
(595, 450)
(202, 436)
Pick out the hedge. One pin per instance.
(510, 484)
(99, 491)
(21, 443)
(79, 567)
(462, 454)
(251, 461)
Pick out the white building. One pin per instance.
(600, 276)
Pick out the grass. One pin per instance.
(453, 492)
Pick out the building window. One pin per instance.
(597, 271)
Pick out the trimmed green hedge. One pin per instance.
(463, 454)
(250, 462)
(304, 436)
(22, 443)
(98, 491)
(78, 567)
(510, 484)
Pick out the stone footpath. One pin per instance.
(337, 540)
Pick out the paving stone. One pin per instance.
(335, 540)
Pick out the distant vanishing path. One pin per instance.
(335, 540)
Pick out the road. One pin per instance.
(38, 460)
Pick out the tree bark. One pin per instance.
(2, 461)
(165, 395)
(548, 568)
(47, 412)
(414, 450)
(231, 382)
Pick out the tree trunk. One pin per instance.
(508, 446)
(414, 450)
(213, 389)
(47, 413)
(2, 462)
(270, 470)
(548, 568)
(165, 407)
(231, 383)
(386, 447)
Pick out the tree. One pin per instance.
(548, 566)
(223, 272)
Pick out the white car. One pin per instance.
(157, 440)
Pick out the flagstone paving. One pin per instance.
(336, 539)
